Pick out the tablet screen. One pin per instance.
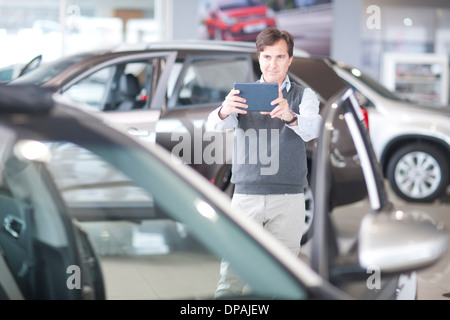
(259, 95)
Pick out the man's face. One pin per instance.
(274, 62)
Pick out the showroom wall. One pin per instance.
(394, 40)
(411, 26)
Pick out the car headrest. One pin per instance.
(129, 85)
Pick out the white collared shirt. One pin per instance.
(309, 119)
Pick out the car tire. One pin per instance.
(309, 212)
(223, 180)
(418, 172)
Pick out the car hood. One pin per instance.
(439, 111)
(247, 11)
(409, 118)
(412, 108)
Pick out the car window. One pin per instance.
(92, 89)
(207, 80)
(370, 82)
(48, 71)
(345, 161)
(153, 258)
(236, 4)
(121, 87)
(135, 220)
(6, 74)
(134, 230)
(33, 232)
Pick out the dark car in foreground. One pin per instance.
(164, 92)
(68, 236)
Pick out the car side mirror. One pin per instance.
(400, 242)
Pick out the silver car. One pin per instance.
(163, 92)
(412, 142)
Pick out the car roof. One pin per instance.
(316, 73)
(200, 45)
(76, 63)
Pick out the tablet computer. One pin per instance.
(259, 95)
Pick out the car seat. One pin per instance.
(128, 90)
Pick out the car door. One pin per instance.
(37, 249)
(347, 179)
(198, 85)
(378, 259)
(128, 90)
(104, 88)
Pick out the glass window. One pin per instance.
(121, 87)
(141, 257)
(208, 80)
(139, 228)
(237, 4)
(49, 70)
(91, 90)
(7, 74)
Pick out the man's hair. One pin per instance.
(272, 35)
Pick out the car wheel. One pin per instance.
(309, 210)
(223, 180)
(418, 173)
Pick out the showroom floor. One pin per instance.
(434, 281)
(196, 272)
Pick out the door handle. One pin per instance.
(144, 135)
(138, 133)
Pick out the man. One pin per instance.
(274, 200)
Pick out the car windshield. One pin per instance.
(155, 236)
(48, 71)
(370, 82)
(236, 4)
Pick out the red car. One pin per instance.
(238, 20)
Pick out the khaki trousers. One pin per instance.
(283, 215)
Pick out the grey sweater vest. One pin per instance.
(269, 157)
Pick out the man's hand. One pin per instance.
(232, 104)
(282, 110)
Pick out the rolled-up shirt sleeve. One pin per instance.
(309, 119)
(214, 123)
